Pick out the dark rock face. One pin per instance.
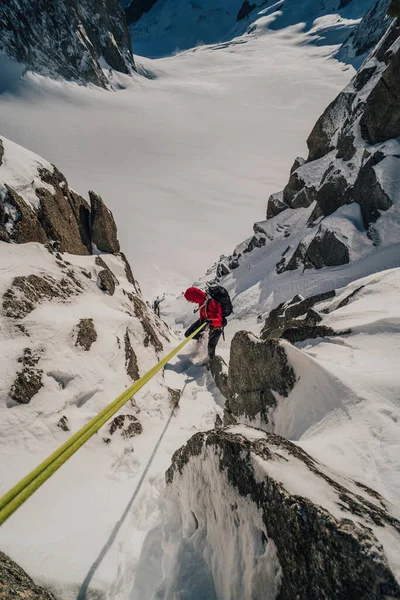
(128, 425)
(276, 205)
(245, 10)
(28, 380)
(367, 33)
(104, 229)
(87, 334)
(326, 250)
(67, 38)
(1, 152)
(174, 397)
(26, 292)
(219, 371)
(324, 552)
(63, 423)
(63, 219)
(137, 8)
(151, 336)
(331, 196)
(106, 279)
(15, 584)
(381, 118)
(297, 313)
(368, 193)
(256, 369)
(394, 8)
(131, 364)
(321, 140)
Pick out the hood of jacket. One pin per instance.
(193, 294)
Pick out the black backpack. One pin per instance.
(220, 295)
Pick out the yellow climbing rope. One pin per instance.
(15, 497)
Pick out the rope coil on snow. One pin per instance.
(15, 497)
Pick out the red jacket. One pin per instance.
(210, 310)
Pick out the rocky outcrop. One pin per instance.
(245, 10)
(368, 192)
(367, 33)
(28, 380)
(257, 369)
(219, 371)
(137, 8)
(294, 314)
(311, 534)
(127, 425)
(27, 292)
(131, 364)
(69, 39)
(103, 227)
(44, 209)
(15, 584)
(394, 9)
(324, 250)
(86, 335)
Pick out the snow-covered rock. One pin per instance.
(366, 35)
(77, 40)
(258, 517)
(350, 180)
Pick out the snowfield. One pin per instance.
(186, 161)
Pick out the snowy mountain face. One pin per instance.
(77, 40)
(162, 26)
(366, 35)
(340, 206)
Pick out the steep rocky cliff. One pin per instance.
(77, 40)
(15, 584)
(343, 201)
(262, 519)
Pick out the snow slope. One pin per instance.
(185, 159)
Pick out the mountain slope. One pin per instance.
(75, 40)
(161, 27)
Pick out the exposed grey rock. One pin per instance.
(28, 380)
(305, 197)
(26, 292)
(234, 263)
(63, 423)
(137, 8)
(19, 222)
(128, 425)
(1, 152)
(322, 138)
(255, 242)
(222, 270)
(326, 250)
(367, 33)
(245, 10)
(256, 369)
(105, 281)
(325, 551)
(64, 215)
(331, 195)
(308, 332)
(219, 371)
(346, 300)
(295, 314)
(293, 187)
(174, 397)
(103, 227)
(346, 148)
(131, 364)
(67, 38)
(87, 334)
(380, 120)
(276, 205)
(368, 193)
(129, 274)
(394, 9)
(15, 583)
(299, 161)
(142, 313)
(296, 261)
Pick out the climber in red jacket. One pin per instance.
(211, 311)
